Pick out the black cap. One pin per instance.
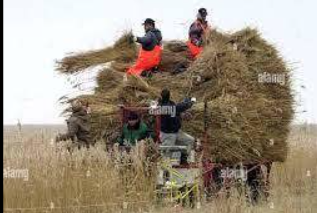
(149, 21)
(133, 116)
(165, 95)
(203, 11)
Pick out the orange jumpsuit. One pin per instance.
(202, 30)
(146, 60)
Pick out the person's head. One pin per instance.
(86, 107)
(148, 24)
(202, 14)
(165, 95)
(76, 105)
(133, 119)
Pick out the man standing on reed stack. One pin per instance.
(78, 127)
(150, 53)
(197, 31)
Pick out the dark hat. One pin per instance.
(165, 95)
(133, 116)
(149, 21)
(203, 11)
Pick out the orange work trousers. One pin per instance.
(194, 50)
(146, 61)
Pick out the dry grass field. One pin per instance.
(40, 176)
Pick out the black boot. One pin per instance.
(146, 74)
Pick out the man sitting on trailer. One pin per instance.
(133, 131)
(150, 52)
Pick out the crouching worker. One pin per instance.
(171, 122)
(197, 31)
(133, 131)
(78, 126)
(150, 52)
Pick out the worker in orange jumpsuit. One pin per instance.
(197, 31)
(150, 54)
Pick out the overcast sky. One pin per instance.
(37, 32)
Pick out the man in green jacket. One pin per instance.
(133, 131)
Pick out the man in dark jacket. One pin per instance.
(133, 131)
(78, 126)
(171, 121)
(152, 37)
(197, 32)
(150, 53)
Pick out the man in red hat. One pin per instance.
(150, 53)
(197, 31)
(133, 131)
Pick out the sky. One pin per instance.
(39, 32)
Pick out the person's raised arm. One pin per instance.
(145, 40)
(185, 105)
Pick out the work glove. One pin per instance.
(132, 39)
(153, 104)
(198, 43)
(192, 100)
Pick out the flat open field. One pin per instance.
(40, 176)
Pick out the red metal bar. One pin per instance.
(142, 110)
